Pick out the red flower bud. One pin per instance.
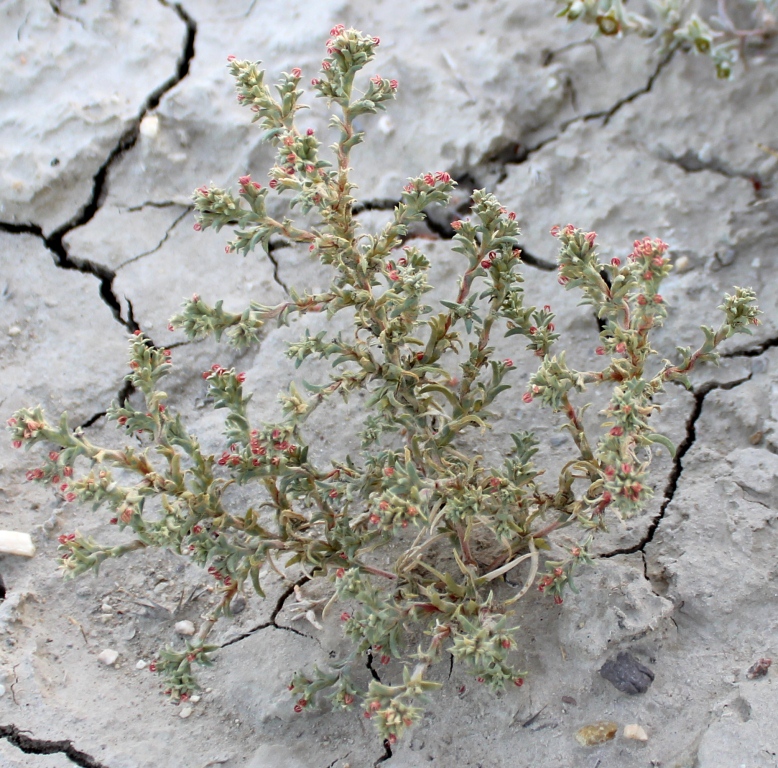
(527, 397)
(296, 72)
(558, 599)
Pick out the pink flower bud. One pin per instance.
(376, 79)
(315, 81)
(527, 397)
(336, 30)
(658, 299)
(273, 183)
(599, 351)
(456, 225)
(326, 65)
(512, 216)
(297, 72)
(508, 362)
(309, 132)
(377, 40)
(231, 57)
(555, 230)
(393, 84)
(486, 263)
(244, 180)
(617, 431)
(642, 300)
(197, 227)
(621, 347)
(615, 262)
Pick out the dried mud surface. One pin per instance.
(110, 113)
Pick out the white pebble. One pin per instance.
(185, 712)
(108, 657)
(140, 664)
(14, 330)
(2, 690)
(194, 699)
(185, 628)
(683, 264)
(149, 126)
(635, 732)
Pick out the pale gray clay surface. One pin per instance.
(111, 113)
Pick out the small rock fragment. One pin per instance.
(185, 628)
(758, 668)
(238, 605)
(596, 733)
(194, 699)
(2, 690)
(140, 664)
(108, 657)
(185, 712)
(683, 264)
(627, 674)
(14, 330)
(569, 700)
(636, 732)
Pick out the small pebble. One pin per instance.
(108, 657)
(636, 732)
(194, 699)
(596, 733)
(238, 605)
(627, 674)
(14, 330)
(140, 664)
(758, 668)
(2, 690)
(185, 628)
(683, 263)
(185, 712)
(569, 700)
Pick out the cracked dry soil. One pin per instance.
(111, 114)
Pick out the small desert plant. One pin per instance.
(672, 24)
(416, 533)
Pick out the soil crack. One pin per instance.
(675, 473)
(522, 154)
(32, 746)
(271, 622)
(54, 241)
(691, 162)
(187, 209)
(387, 753)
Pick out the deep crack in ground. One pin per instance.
(54, 241)
(32, 746)
(675, 473)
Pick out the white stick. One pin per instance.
(15, 543)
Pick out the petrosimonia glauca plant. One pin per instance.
(415, 534)
(673, 24)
